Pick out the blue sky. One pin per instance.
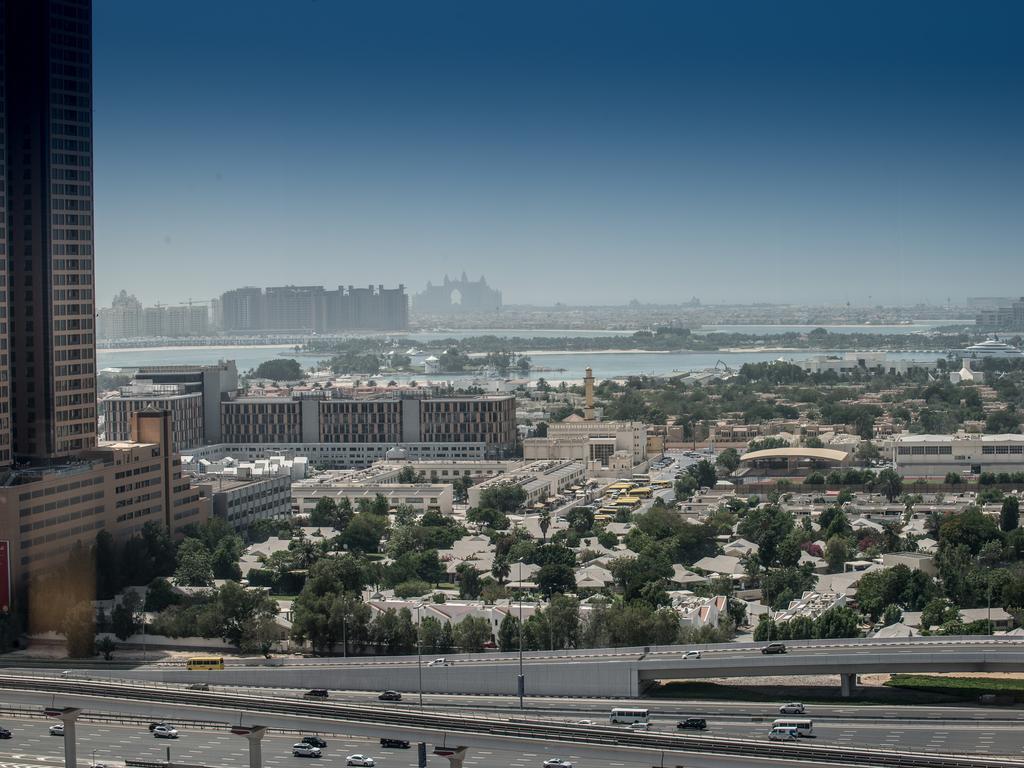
(577, 151)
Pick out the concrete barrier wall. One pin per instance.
(580, 679)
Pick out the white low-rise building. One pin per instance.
(541, 480)
(962, 453)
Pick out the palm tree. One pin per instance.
(890, 484)
(545, 523)
(500, 570)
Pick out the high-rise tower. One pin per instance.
(47, 96)
(5, 392)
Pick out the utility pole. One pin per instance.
(521, 680)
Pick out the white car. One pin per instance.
(639, 726)
(585, 722)
(691, 655)
(359, 760)
(57, 730)
(557, 762)
(792, 708)
(441, 662)
(305, 750)
(165, 732)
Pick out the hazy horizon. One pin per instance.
(583, 152)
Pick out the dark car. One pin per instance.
(697, 723)
(198, 687)
(394, 743)
(390, 696)
(316, 693)
(4, 733)
(314, 741)
(774, 648)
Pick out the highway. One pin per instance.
(960, 730)
(32, 747)
(608, 672)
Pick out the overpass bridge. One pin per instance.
(609, 672)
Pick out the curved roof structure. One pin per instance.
(822, 454)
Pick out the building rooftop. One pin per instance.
(827, 454)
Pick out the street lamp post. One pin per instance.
(521, 680)
(419, 649)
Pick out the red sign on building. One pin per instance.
(5, 575)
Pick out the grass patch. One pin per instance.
(961, 687)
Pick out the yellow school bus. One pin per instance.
(642, 493)
(205, 662)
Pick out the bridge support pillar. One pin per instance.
(847, 684)
(254, 734)
(455, 755)
(68, 716)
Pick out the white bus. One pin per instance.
(801, 725)
(628, 715)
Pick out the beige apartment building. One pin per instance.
(117, 487)
(602, 445)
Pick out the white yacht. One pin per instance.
(992, 348)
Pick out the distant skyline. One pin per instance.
(583, 151)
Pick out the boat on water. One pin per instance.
(991, 348)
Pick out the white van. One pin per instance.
(782, 734)
(802, 726)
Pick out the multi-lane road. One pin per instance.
(963, 730)
(32, 747)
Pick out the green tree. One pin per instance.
(555, 578)
(325, 513)
(837, 622)
(889, 484)
(501, 569)
(953, 478)
(106, 646)
(544, 521)
(225, 557)
(729, 459)
(239, 616)
(195, 566)
(563, 614)
(1001, 422)
(505, 497)
(897, 586)
(124, 618)
(891, 615)
(684, 486)
(469, 581)
(704, 473)
(766, 526)
(508, 634)
(411, 588)
(838, 550)
(79, 630)
(108, 566)
(1009, 515)
(867, 452)
(281, 369)
(446, 640)
(937, 612)
(159, 595)
(471, 634)
(364, 532)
